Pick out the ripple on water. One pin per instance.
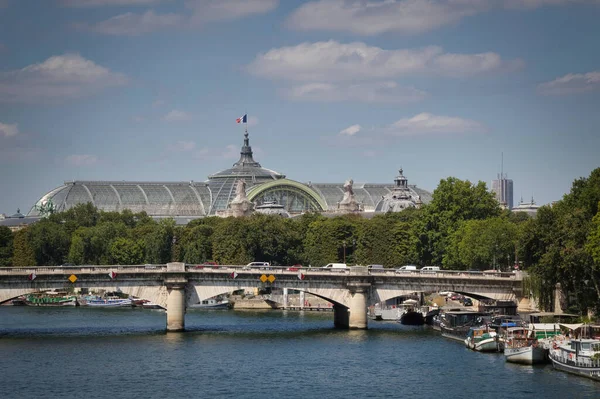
(97, 353)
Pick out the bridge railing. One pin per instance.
(162, 268)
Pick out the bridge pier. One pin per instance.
(358, 306)
(341, 317)
(176, 307)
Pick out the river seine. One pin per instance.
(125, 353)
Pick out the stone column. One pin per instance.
(285, 298)
(301, 300)
(176, 307)
(340, 316)
(358, 306)
(558, 296)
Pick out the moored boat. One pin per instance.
(579, 356)
(410, 314)
(522, 346)
(482, 339)
(456, 324)
(109, 302)
(212, 304)
(51, 298)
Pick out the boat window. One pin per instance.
(585, 346)
(596, 347)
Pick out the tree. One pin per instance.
(91, 245)
(6, 246)
(158, 243)
(560, 246)
(125, 251)
(196, 244)
(388, 241)
(482, 244)
(50, 242)
(453, 202)
(328, 240)
(23, 254)
(231, 243)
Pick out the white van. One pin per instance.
(406, 269)
(376, 268)
(257, 265)
(335, 266)
(430, 269)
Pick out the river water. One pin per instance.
(125, 353)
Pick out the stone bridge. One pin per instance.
(174, 285)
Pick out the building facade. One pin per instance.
(266, 188)
(503, 189)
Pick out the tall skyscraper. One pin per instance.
(503, 188)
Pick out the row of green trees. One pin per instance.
(462, 228)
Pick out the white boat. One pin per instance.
(482, 339)
(212, 304)
(579, 356)
(151, 305)
(109, 302)
(522, 346)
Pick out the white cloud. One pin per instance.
(177, 116)
(101, 3)
(59, 77)
(131, 24)
(182, 146)
(8, 130)
(198, 13)
(572, 83)
(350, 131)
(218, 10)
(541, 3)
(82, 160)
(375, 17)
(331, 60)
(426, 123)
(368, 92)
(372, 17)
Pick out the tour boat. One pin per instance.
(482, 339)
(212, 304)
(109, 302)
(522, 346)
(579, 356)
(51, 298)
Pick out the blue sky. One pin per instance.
(334, 89)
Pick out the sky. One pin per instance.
(150, 90)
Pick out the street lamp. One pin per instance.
(344, 244)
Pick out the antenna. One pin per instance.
(502, 166)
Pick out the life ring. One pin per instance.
(570, 356)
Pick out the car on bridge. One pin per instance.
(213, 265)
(294, 268)
(406, 269)
(258, 265)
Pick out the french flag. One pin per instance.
(242, 119)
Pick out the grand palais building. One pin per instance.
(268, 190)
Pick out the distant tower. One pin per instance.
(503, 188)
